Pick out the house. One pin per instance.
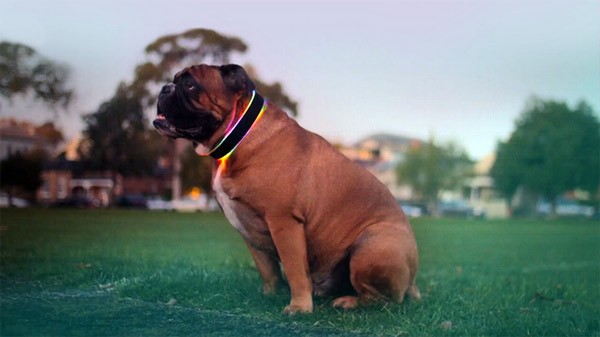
(67, 181)
(380, 154)
(21, 137)
(482, 193)
(387, 147)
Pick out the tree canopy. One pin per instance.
(168, 54)
(117, 138)
(433, 167)
(553, 149)
(24, 71)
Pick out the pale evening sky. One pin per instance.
(460, 70)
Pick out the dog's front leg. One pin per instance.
(290, 241)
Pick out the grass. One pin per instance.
(116, 272)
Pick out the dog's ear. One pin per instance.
(236, 78)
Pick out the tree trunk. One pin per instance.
(176, 179)
(432, 206)
(10, 197)
(553, 214)
(509, 207)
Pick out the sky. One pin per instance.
(457, 70)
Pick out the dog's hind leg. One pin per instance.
(382, 267)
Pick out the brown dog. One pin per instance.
(295, 200)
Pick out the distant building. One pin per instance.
(380, 154)
(482, 193)
(482, 185)
(67, 181)
(388, 147)
(20, 137)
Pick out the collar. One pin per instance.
(235, 135)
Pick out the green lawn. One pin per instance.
(115, 272)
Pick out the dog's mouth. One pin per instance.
(165, 128)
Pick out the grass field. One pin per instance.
(126, 273)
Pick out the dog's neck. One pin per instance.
(236, 130)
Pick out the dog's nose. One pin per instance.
(167, 89)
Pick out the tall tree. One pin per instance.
(274, 92)
(430, 168)
(24, 71)
(553, 149)
(168, 54)
(505, 173)
(117, 137)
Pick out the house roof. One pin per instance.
(18, 134)
(389, 142)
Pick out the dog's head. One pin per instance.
(200, 99)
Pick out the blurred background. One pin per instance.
(462, 108)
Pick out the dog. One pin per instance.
(297, 202)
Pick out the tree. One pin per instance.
(552, 150)
(196, 171)
(430, 168)
(24, 71)
(117, 138)
(505, 173)
(274, 92)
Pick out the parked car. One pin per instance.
(410, 209)
(76, 202)
(459, 208)
(131, 201)
(565, 207)
(16, 202)
(159, 204)
(200, 204)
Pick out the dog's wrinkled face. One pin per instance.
(199, 99)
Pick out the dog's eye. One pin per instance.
(189, 85)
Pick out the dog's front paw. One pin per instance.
(293, 309)
(346, 302)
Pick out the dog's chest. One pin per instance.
(238, 209)
(230, 207)
(242, 212)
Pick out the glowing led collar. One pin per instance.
(234, 136)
